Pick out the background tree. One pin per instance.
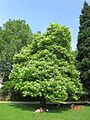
(83, 47)
(46, 67)
(13, 36)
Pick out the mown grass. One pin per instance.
(26, 112)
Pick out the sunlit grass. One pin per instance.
(26, 112)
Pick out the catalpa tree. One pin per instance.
(46, 67)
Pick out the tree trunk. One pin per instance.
(43, 102)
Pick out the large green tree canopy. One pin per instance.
(45, 68)
(13, 36)
(83, 47)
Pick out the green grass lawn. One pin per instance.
(26, 112)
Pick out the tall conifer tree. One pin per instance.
(83, 47)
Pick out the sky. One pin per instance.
(40, 13)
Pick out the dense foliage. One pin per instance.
(46, 67)
(83, 47)
(13, 36)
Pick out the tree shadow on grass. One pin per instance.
(52, 108)
(28, 107)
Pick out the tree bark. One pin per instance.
(43, 102)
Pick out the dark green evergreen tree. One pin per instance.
(83, 47)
